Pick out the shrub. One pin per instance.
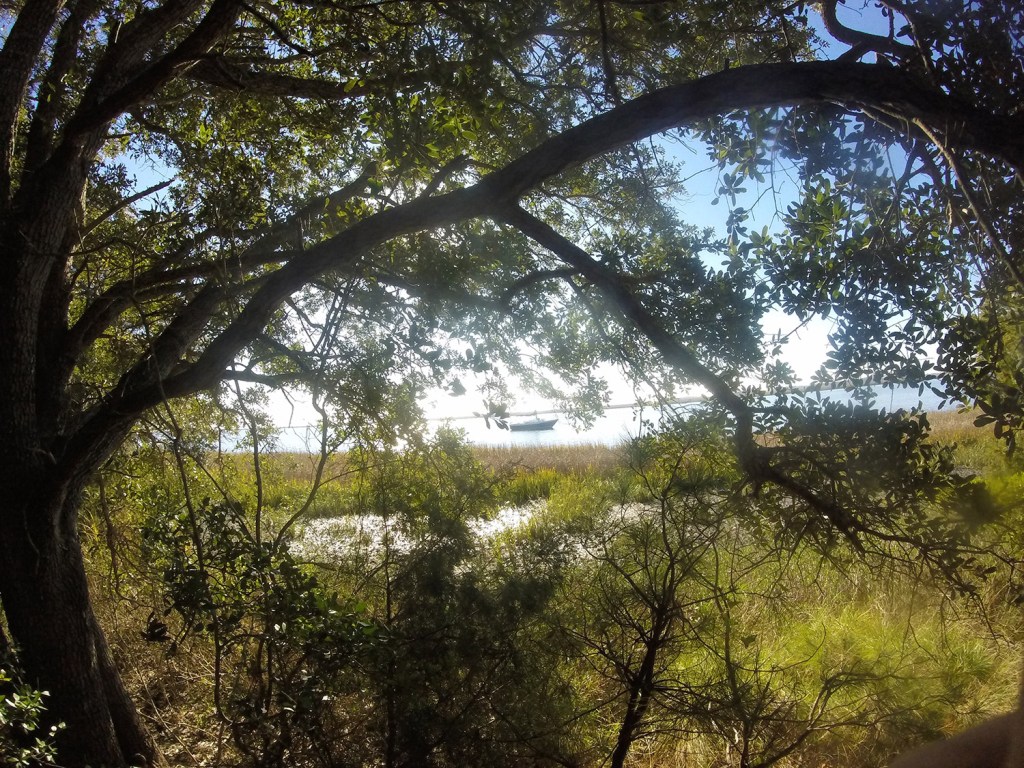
(24, 740)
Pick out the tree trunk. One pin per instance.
(60, 646)
(639, 700)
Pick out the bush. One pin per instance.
(283, 642)
(23, 739)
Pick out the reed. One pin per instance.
(593, 458)
(953, 426)
(589, 458)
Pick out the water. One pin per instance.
(614, 427)
(345, 536)
(620, 424)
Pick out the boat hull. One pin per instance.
(538, 425)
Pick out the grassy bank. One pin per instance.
(763, 621)
(947, 427)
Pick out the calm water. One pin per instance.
(620, 424)
(615, 426)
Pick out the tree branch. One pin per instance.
(632, 314)
(94, 114)
(524, 282)
(277, 30)
(1009, 260)
(223, 73)
(741, 88)
(321, 206)
(119, 297)
(120, 206)
(754, 460)
(152, 284)
(51, 93)
(861, 40)
(610, 80)
(17, 59)
(752, 87)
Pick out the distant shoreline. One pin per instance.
(842, 385)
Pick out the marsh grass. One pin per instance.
(955, 426)
(590, 458)
(565, 459)
(526, 473)
(931, 663)
(977, 449)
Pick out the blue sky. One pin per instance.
(808, 343)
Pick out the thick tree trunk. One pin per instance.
(60, 645)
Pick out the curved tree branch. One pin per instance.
(96, 113)
(634, 316)
(221, 72)
(862, 41)
(152, 284)
(741, 88)
(849, 84)
(755, 460)
(160, 279)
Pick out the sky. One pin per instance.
(808, 344)
(805, 352)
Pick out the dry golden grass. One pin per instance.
(951, 426)
(287, 466)
(565, 459)
(947, 426)
(293, 467)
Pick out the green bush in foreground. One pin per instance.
(23, 741)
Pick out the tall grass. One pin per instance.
(978, 450)
(921, 662)
(528, 474)
(591, 458)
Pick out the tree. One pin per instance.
(680, 617)
(633, 598)
(411, 188)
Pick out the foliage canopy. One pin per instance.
(366, 199)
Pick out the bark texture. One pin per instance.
(45, 597)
